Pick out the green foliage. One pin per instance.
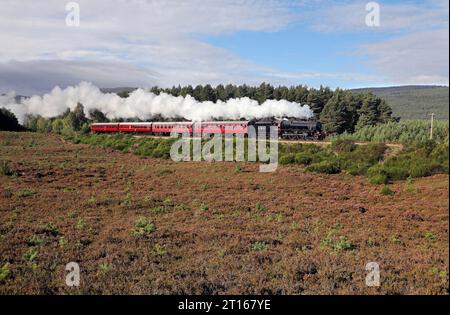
(25, 192)
(35, 241)
(414, 102)
(105, 268)
(258, 246)
(204, 207)
(327, 167)
(378, 179)
(4, 272)
(6, 170)
(304, 158)
(159, 250)
(343, 146)
(430, 236)
(260, 207)
(166, 171)
(335, 242)
(287, 159)
(159, 209)
(51, 228)
(385, 190)
(143, 227)
(419, 160)
(31, 254)
(406, 132)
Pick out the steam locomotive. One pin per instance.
(288, 128)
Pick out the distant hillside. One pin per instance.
(415, 102)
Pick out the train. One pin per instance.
(288, 128)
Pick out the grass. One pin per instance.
(81, 224)
(31, 255)
(6, 170)
(159, 250)
(395, 239)
(35, 241)
(105, 268)
(25, 192)
(258, 246)
(4, 272)
(342, 156)
(143, 227)
(166, 171)
(51, 228)
(336, 243)
(159, 209)
(378, 179)
(260, 207)
(62, 242)
(438, 272)
(386, 191)
(204, 207)
(430, 236)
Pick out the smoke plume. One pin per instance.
(144, 105)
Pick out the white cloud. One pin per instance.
(164, 36)
(147, 42)
(417, 50)
(418, 58)
(351, 17)
(30, 77)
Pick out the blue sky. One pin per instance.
(284, 42)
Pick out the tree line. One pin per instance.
(340, 111)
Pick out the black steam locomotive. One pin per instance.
(291, 128)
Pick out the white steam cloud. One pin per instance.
(144, 105)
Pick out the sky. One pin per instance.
(143, 43)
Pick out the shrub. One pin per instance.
(303, 158)
(51, 228)
(35, 241)
(31, 255)
(159, 250)
(25, 192)
(204, 207)
(378, 179)
(166, 171)
(258, 246)
(5, 169)
(327, 167)
(159, 209)
(4, 272)
(343, 145)
(342, 244)
(386, 191)
(336, 243)
(105, 268)
(260, 207)
(430, 236)
(143, 227)
(287, 159)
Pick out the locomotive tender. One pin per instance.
(288, 128)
